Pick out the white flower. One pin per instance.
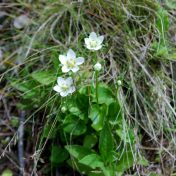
(64, 86)
(70, 62)
(97, 66)
(94, 42)
(21, 21)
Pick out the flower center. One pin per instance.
(71, 63)
(64, 87)
(93, 43)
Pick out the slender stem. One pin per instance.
(96, 75)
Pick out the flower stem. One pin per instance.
(96, 75)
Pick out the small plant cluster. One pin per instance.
(92, 119)
(94, 136)
(70, 63)
(99, 125)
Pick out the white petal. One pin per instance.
(87, 41)
(57, 88)
(60, 80)
(75, 69)
(63, 59)
(79, 60)
(93, 35)
(64, 94)
(65, 69)
(71, 54)
(100, 39)
(72, 89)
(98, 47)
(69, 81)
(88, 47)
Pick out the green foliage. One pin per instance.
(162, 24)
(93, 161)
(126, 161)
(78, 151)
(105, 95)
(90, 141)
(43, 77)
(97, 115)
(95, 132)
(7, 172)
(48, 132)
(106, 144)
(58, 155)
(96, 124)
(74, 126)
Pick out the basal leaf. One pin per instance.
(106, 144)
(90, 141)
(58, 155)
(97, 115)
(105, 95)
(78, 151)
(93, 161)
(73, 125)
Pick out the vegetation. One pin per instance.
(115, 115)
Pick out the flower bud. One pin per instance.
(119, 82)
(97, 66)
(63, 109)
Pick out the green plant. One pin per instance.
(115, 98)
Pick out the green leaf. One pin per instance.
(44, 77)
(125, 162)
(92, 160)
(82, 100)
(162, 22)
(81, 168)
(126, 135)
(28, 88)
(160, 49)
(97, 115)
(105, 95)
(143, 161)
(22, 86)
(74, 125)
(49, 132)
(78, 151)
(85, 90)
(106, 144)
(75, 129)
(58, 155)
(7, 172)
(90, 141)
(96, 173)
(114, 113)
(77, 106)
